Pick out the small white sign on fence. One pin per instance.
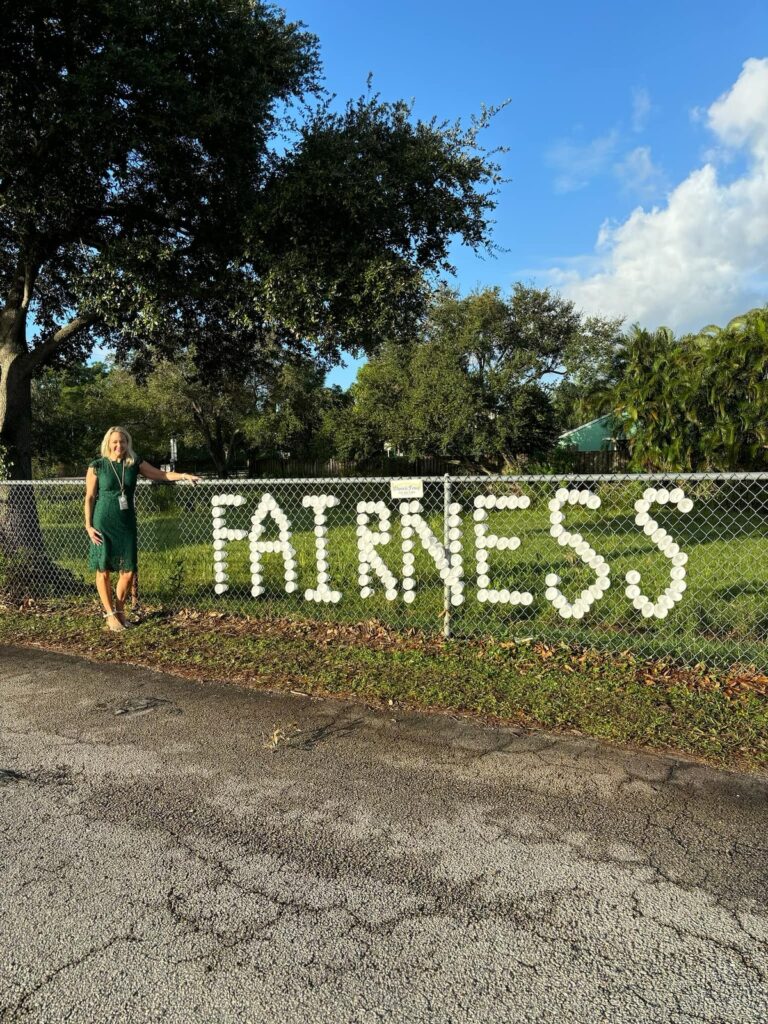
(406, 489)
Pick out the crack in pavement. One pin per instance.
(461, 903)
(400, 857)
(58, 775)
(20, 1006)
(135, 705)
(684, 933)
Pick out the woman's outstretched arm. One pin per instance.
(153, 473)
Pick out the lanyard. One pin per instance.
(121, 482)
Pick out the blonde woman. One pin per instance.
(110, 518)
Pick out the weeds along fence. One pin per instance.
(662, 566)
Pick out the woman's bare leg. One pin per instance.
(104, 587)
(121, 592)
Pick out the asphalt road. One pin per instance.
(160, 862)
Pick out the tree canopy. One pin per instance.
(291, 410)
(478, 383)
(698, 402)
(174, 174)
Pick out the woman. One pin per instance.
(110, 518)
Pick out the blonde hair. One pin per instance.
(130, 453)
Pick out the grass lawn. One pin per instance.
(721, 620)
(719, 717)
(695, 682)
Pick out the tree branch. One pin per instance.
(45, 350)
(210, 444)
(30, 277)
(17, 291)
(201, 421)
(233, 438)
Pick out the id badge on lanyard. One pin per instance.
(122, 498)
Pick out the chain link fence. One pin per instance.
(663, 566)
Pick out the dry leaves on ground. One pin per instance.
(526, 654)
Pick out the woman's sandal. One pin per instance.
(123, 622)
(106, 624)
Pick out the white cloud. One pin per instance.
(702, 257)
(740, 117)
(638, 173)
(578, 164)
(641, 109)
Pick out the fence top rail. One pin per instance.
(616, 476)
(358, 480)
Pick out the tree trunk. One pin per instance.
(25, 568)
(221, 457)
(214, 444)
(231, 450)
(15, 394)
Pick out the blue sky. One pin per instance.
(632, 190)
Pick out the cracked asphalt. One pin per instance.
(161, 862)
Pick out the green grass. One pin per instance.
(722, 619)
(707, 715)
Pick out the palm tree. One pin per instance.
(733, 368)
(656, 399)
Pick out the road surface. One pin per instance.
(163, 860)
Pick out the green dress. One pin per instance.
(117, 527)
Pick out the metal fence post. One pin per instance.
(446, 544)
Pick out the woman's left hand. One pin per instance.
(191, 478)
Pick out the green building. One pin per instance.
(598, 435)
